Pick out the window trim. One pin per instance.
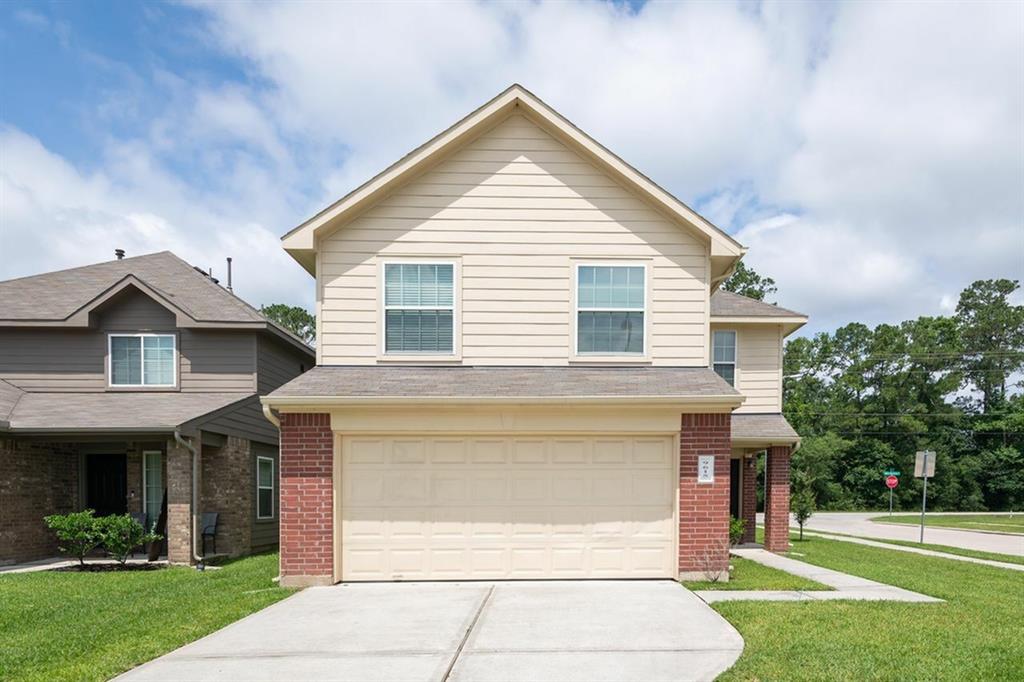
(142, 359)
(145, 483)
(271, 488)
(385, 355)
(574, 353)
(735, 354)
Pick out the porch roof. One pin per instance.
(762, 430)
(68, 413)
(369, 384)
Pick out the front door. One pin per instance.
(106, 484)
(734, 488)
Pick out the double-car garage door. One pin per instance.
(447, 507)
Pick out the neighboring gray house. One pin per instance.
(120, 380)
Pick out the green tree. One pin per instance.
(293, 318)
(746, 282)
(992, 331)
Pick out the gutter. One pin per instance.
(195, 496)
(725, 401)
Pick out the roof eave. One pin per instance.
(726, 401)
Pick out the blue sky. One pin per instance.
(872, 176)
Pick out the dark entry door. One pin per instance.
(106, 484)
(734, 488)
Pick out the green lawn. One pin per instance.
(990, 522)
(977, 554)
(91, 626)
(976, 635)
(750, 575)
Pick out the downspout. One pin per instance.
(195, 496)
(268, 412)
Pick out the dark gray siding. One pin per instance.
(279, 364)
(244, 421)
(218, 361)
(265, 531)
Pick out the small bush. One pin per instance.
(119, 535)
(802, 507)
(77, 533)
(736, 529)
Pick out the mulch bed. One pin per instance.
(108, 568)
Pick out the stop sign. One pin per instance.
(892, 481)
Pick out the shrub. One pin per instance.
(77, 533)
(736, 530)
(803, 507)
(119, 535)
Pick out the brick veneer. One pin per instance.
(228, 489)
(37, 479)
(776, 499)
(307, 500)
(704, 507)
(179, 503)
(749, 498)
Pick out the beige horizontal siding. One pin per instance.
(758, 366)
(516, 207)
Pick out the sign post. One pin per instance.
(892, 479)
(924, 467)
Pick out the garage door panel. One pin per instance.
(455, 507)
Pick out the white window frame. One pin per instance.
(142, 360)
(271, 488)
(412, 355)
(575, 285)
(145, 480)
(736, 354)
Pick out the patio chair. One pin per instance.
(209, 524)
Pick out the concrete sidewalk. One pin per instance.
(589, 631)
(845, 586)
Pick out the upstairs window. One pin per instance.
(142, 360)
(610, 302)
(419, 308)
(723, 355)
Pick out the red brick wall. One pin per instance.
(307, 500)
(704, 507)
(749, 498)
(36, 480)
(776, 499)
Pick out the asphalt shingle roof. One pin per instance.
(770, 427)
(56, 295)
(728, 304)
(505, 382)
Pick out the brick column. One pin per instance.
(704, 507)
(776, 499)
(133, 471)
(179, 503)
(748, 512)
(307, 500)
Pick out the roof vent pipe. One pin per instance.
(229, 275)
(119, 253)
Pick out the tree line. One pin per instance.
(865, 400)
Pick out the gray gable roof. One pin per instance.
(771, 428)
(9, 397)
(56, 295)
(728, 304)
(419, 382)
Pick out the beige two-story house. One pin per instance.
(132, 386)
(525, 369)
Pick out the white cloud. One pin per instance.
(870, 154)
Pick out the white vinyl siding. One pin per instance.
(152, 486)
(142, 360)
(516, 208)
(264, 488)
(758, 365)
(723, 355)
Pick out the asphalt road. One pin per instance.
(858, 523)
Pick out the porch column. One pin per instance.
(704, 505)
(776, 499)
(179, 503)
(748, 502)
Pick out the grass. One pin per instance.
(997, 523)
(975, 635)
(975, 553)
(91, 626)
(750, 575)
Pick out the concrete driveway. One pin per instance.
(859, 523)
(552, 630)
